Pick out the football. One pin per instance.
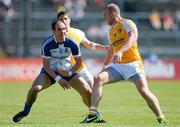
(64, 64)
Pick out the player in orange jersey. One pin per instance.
(123, 62)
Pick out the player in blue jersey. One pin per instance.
(80, 38)
(56, 48)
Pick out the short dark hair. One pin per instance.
(53, 25)
(61, 13)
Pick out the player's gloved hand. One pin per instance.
(64, 84)
(63, 73)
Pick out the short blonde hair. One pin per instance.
(112, 7)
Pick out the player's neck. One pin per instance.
(116, 20)
(59, 39)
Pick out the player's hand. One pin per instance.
(117, 57)
(63, 73)
(64, 84)
(107, 47)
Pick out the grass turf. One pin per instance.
(121, 106)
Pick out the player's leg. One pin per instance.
(82, 87)
(152, 101)
(108, 75)
(87, 76)
(41, 82)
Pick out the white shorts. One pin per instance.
(86, 74)
(127, 70)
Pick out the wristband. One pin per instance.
(104, 66)
(58, 78)
(70, 73)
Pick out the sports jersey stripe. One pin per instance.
(77, 55)
(126, 26)
(46, 42)
(43, 56)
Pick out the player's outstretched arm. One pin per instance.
(94, 46)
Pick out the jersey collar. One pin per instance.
(57, 41)
(114, 25)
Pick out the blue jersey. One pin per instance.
(58, 51)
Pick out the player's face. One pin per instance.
(108, 17)
(65, 19)
(60, 30)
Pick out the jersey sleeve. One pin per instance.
(45, 51)
(133, 27)
(81, 35)
(126, 26)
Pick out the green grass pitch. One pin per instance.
(121, 106)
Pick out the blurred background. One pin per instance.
(25, 24)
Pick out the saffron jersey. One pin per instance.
(118, 37)
(77, 36)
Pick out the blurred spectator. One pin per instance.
(178, 17)
(155, 20)
(98, 32)
(152, 57)
(100, 3)
(61, 2)
(6, 9)
(6, 14)
(104, 29)
(168, 21)
(93, 31)
(74, 7)
(2, 52)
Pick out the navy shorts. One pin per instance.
(52, 79)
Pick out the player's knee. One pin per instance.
(36, 89)
(98, 81)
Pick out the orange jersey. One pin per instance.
(118, 37)
(77, 36)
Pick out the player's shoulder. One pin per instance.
(128, 21)
(48, 40)
(77, 31)
(69, 41)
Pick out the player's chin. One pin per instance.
(109, 23)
